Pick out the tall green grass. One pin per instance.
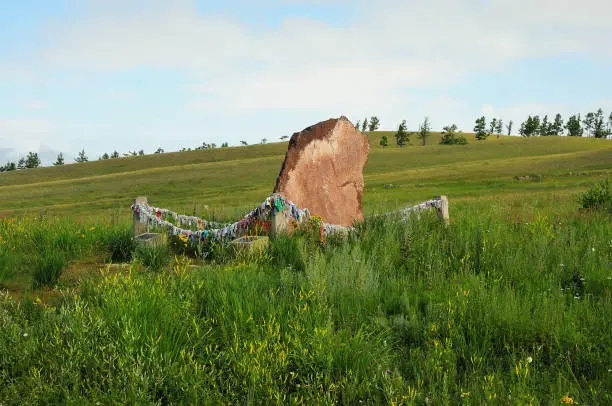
(495, 309)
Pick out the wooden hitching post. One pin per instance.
(443, 210)
(280, 224)
(139, 228)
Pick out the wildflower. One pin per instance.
(593, 249)
(465, 394)
(529, 360)
(567, 400)
(92, 228)
(388, 372)
(25, 334)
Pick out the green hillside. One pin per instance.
(231, 180)
(509, 303)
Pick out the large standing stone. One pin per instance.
(323, 171)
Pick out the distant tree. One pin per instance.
(374, 123)
(159, 150)
(401, 136)
(599, 125)
(32, 160)
(82, 157)
(610, 124)
(557, 125)
(357, 126)
(424, 130)
(492, 126)
(105, 156)
(59, 160)
(141, 152)
(509, 127)
(499, 128)
(10, 166)
(364, 125)
(264, 140)
(544, 130)
(384, 141)
(283, 138)
(243, 143)
(115, 154)
(224, 145)
(588, 122)
(574, 127)
(531, 127)
(21, 163)
(450, 137)
(480, 128)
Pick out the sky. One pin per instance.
(105, 75)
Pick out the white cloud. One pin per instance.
(390, 46)
(18, 136)
(373, 63)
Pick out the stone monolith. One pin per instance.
(323, 171)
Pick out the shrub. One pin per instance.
(120, 245)
(155, 257)
(48, 267)
(597, 197)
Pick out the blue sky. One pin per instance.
(124, 75)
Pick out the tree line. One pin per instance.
(593, 124)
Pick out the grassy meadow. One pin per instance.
(509, 304)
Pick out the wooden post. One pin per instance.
(280, 224)
(443, 210)
(139, 228)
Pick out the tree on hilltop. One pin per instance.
(599, 126)
(10, 166)
(32, 160)
(450, 137)
(509, 127)
(574, 127)
(374, 123)
(401, 136)
(531, 127)
(384, 141)
(424, 130)
(115, 154)
(243, 143)
(499, 127)
(59, 160)
(82, 157)
(492, 126)
(557, 125)
(588, 122)
(159, 150)
(364, 125)
(480, 128)
(283, 138)
(544, 130)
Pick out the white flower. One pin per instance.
(593, 249)
(529, 360)
(25, 334)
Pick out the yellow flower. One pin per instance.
(567, 400)
(92, 228)
(465, 394)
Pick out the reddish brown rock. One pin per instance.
(323, 171)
